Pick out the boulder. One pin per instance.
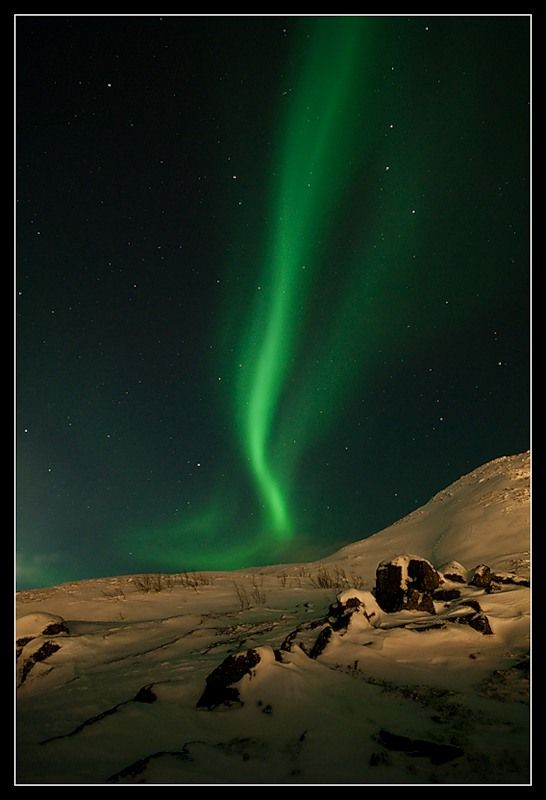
(480, 623)
(477, 620)
(454, 571)
(406, 583)
(219, 689)
(481, 577)
(352, 605)
(145, 695)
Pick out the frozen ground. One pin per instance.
(109, 671)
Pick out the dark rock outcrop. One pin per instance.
(478, 621)
(388, 590)
(322, 641)
(301, 630)
(454, 571)
(20, 644)
(406, 582)
(145, 695)
(446, 594)
(423, 575)
(47, 649)
(454, 576)
(340, 613)
(510, 578)
(481, 577)
(55, 629)
(219, 689)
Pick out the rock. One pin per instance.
(44, 651)
(388, 586)
(301, 636)
(481, 577)
(341, 612)
(406, 582)
(510, 578)
(422, 574)
(219, 688)
(288, 641)
(437, 752)
(454, 571)
(446, 594)
(419, 601)
(145, 695)
(55, 629)
(478, 621)
(28, 629)
(322, 640)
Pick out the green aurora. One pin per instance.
(297, 354)
(368, 230)
(313, 165)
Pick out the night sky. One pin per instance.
(272, 281)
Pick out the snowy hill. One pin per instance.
(325, 672)
(484, 516)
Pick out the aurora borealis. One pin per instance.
(313, 161)
(272, 281)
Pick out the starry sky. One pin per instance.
(272, 281)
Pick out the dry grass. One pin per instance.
(337, 578)
(253, 596)
(161, 582)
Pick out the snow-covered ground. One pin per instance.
(110, 671)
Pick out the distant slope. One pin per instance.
(482, 517)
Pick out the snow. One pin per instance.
(303, 720)
(35, 624)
